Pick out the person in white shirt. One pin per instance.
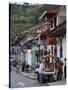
(41, 71)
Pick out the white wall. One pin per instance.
(22, 57)
(64, 46)
(61, 15)
(28, 57)
(58, 48)
(26, 38)
(49, 48)
(30, 37)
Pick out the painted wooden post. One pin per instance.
(39, 41)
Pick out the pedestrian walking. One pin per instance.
(37, 70)
(23, 66)
(23, 61)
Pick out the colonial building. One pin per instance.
(49, 36)
(56, 35)
(32, 45)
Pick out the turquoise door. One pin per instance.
(34, 59)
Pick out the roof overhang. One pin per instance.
(58, 31)
(42, 15)
(50, 13)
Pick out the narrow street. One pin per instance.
(18, 81)
(38, 49)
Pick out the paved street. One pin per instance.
(18, 80)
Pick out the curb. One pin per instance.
(25, 75)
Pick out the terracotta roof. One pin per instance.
(33, 31)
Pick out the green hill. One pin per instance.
(24, 16)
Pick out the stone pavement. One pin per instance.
(31, 75)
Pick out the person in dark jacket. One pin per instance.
(59, 66)
(23, 66)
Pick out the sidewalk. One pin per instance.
(30, 75)
(60, 82)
